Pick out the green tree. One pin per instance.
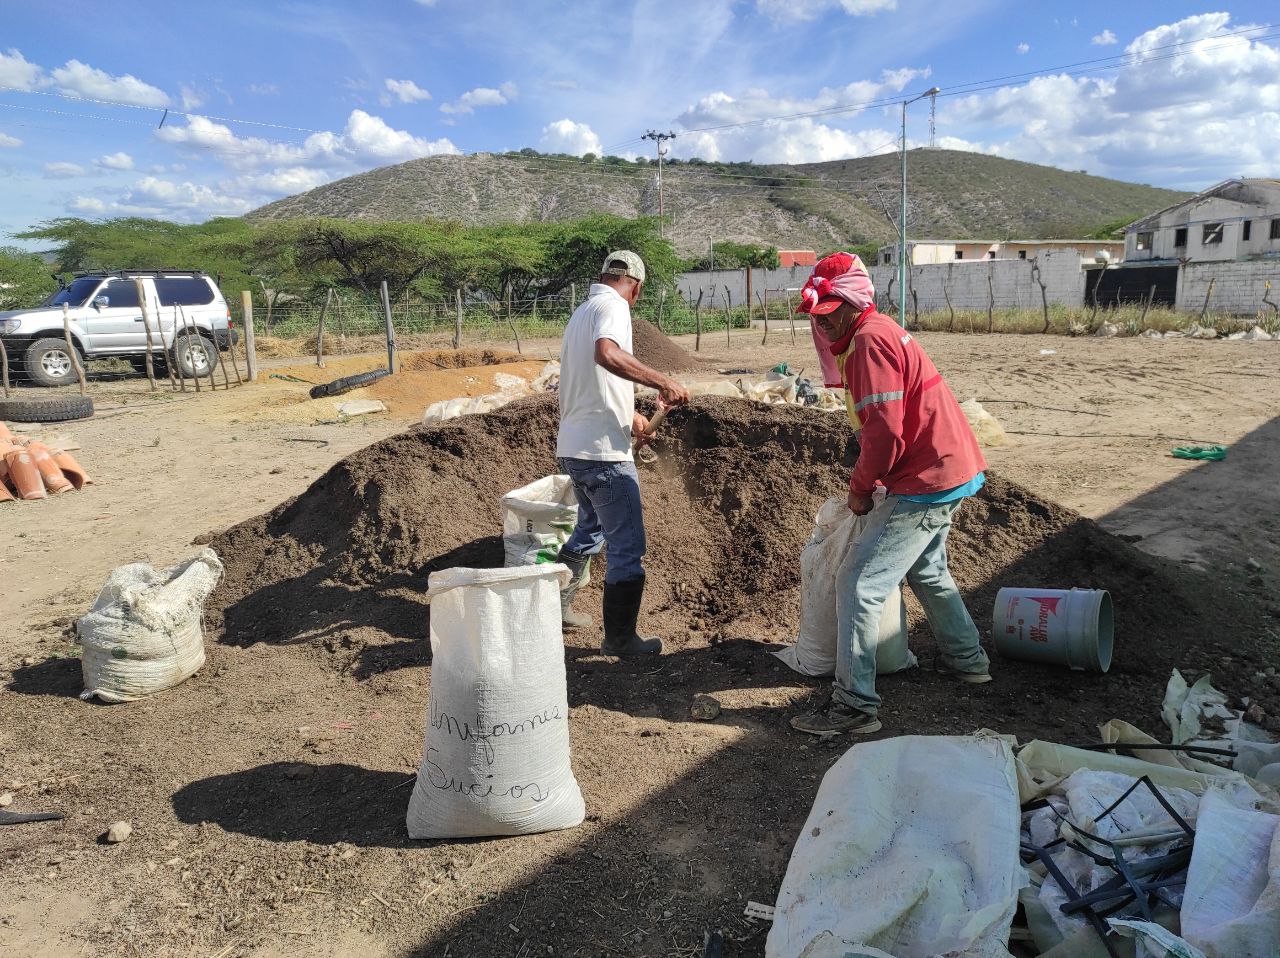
(730, 255)
(25, 279)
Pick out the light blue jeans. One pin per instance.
(908, 540)
(609, 511)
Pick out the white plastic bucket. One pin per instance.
(1072, 627)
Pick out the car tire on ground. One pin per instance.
(63, 409)
(194, 354)
(49, 363)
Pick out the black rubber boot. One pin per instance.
(580, 566)
(621, 610)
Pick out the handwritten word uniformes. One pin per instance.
(466, 732)
(437, 777)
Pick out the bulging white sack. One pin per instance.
(143, 634)
(911, 847)
(496, 759)
(537, 520)
(835, 531)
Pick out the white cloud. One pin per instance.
(81, 80)
(406, 91)
(1104, 39)
(1189, 120)
(264, 89)
(116, 161)
(9, 142)
(480, 97)
(18, 73)
(1024, 48)
(152, 196)
(426, 3)
(798, 140)
(281, 182)
(192, 99)
(62, 170)
(566, 136)
(366, 139)
(811, 9)
(564, 84)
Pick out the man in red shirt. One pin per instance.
(917, 445)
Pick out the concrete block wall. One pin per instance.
(966, 281)
(1238, 287)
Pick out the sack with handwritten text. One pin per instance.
(496, 759)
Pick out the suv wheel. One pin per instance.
(49, 363)
(194, 354)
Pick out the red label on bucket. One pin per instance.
(1048, 606)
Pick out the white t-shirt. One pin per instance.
(596, 407)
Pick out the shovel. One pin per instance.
(646, 453)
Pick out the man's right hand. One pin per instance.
(673, 394)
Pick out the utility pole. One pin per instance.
(933, 120)
(902, 221)
(658, 139)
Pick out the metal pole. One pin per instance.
(902, 229)
(391, 333)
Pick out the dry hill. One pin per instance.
(815, 205)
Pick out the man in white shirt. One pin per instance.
(598, 426)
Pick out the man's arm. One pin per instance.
(878, 385)
(625, 366)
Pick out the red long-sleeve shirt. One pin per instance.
(915, 438)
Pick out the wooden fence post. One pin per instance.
(457, 323)
(1204, 312)
(141, 287)
(697, 328)
(250, 354)
(1044, 295)
(71, 347)
(791, 313)
(764, 309)
(320, 329)
(1142, 321)
(4, 367)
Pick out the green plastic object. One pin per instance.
(782, 369)
(1207, 453)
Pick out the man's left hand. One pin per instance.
(858, 505)
(640, 430)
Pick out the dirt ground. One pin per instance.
(267, 794)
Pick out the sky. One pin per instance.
(265, 99)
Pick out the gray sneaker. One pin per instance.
(973, 678)
(835, 717)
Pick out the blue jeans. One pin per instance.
(608, 511)
(901, 540)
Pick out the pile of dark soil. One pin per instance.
(729, 506)
(429, 359)
(655, 350)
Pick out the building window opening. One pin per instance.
(1145, 241)
(991, 254)
(1246, 231)
(960, 252)
(1212, 234)
(1022, 254)
(1180, 237)
(1275, 229)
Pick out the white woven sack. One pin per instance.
(143, 634)
(496, 758)
(911, 847)
(835, 531)
(537, 520)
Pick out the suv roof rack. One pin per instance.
(139, 272)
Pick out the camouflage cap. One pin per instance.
(634, 265)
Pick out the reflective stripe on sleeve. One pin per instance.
(876, 398)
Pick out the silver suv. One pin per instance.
(188, 317)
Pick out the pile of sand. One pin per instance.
(729, 506)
